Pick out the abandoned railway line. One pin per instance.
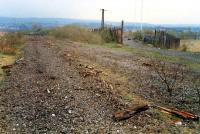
(66, 87)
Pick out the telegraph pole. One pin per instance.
(103, 19)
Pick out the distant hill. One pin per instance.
(16, 24)
(13, 24)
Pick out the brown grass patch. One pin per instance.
(190, 45)
(9, 43)
(5, 49)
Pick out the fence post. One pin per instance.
(122, 31)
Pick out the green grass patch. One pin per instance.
(151, 54)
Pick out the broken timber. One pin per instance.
(6, 67)
(128, 113)
(182, 114)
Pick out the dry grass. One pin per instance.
(9, 43)
(76, 33)
(7, 50)
(190, 45)
(5, 60)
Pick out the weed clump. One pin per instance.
(107, 35)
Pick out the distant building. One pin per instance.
(162, 39)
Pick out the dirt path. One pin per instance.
(195, 57)
(47, 93)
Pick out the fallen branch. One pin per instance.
(182, 114)
(128, 113)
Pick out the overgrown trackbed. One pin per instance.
(46, 93)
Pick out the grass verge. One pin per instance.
(10, 50)
(151, 54)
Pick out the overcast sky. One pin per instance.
(155, 11)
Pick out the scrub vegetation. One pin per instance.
(10, 49)
(76, 33)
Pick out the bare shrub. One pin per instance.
(169, 75)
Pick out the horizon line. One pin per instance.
(114, 21)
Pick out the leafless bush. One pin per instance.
(169, 75)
